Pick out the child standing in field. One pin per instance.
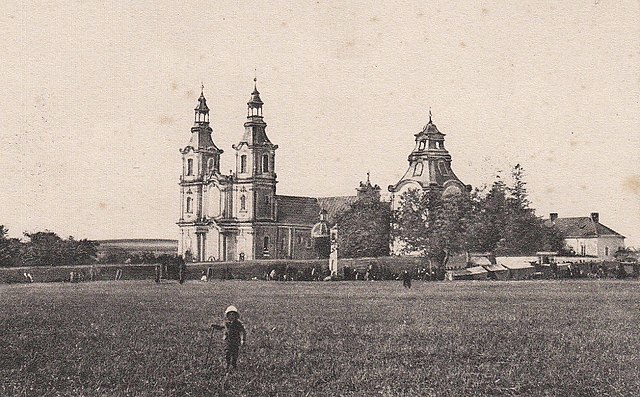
(234, 335)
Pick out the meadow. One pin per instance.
(138, 338)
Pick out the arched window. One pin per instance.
(189, 166)
(243, 203)
(243, 163)
(189, 205)
(421, 145)
(418, 170)
(265, 163)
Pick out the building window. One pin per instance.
(189, 205)
(265, 163)
(243, 164)
(265, 244)
(243, 203)
(606, 251)
(421, 145)
(443, 168)
(583, 250)
(189, 166)
(418, 170)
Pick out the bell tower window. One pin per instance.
(243, 203)
(421, 145)
(189, 166)
(189, 205)
(418, 170)
(243, 164)
(265, 163)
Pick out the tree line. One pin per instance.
(45, 249)
(498, 220)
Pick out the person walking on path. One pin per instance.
(234, 336)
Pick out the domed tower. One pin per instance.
(429, 166)
(200, 162)
(255, 176)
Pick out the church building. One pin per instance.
(240, 216)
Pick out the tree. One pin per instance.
(10, 249)
(523, 232)
(500, 221)
(363, 229)
(48, 249)
(43, 249)
(436, 226)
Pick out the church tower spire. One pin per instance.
(255, 175)
(202, 110)
(200, 166)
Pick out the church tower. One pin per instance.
(200, 163)
(429, 166)
(255, 176)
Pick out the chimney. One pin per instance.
(553, 216)
(595, 217)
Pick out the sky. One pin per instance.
(98, 99)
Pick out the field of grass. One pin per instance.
(118, 338)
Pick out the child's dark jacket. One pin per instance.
(234, 332)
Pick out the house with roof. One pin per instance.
(586, 236)
(239, 216)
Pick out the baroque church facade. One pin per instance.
(240, 216)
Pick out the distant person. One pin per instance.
(203, 277)
(406, 279)
(27, 277)
(118, 274)
(157, 273)
(234, 336)
(182, 272)
(273, 275)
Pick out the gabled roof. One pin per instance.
(582, 226)
(297, 210)
(335, 205)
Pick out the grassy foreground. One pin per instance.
(539, 338)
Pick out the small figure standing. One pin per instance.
(182, 272)
(234, 335)
(157, 273)
(203, 276)
(406, 279)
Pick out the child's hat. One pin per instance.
(230, 309)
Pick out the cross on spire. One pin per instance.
(429, 114)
